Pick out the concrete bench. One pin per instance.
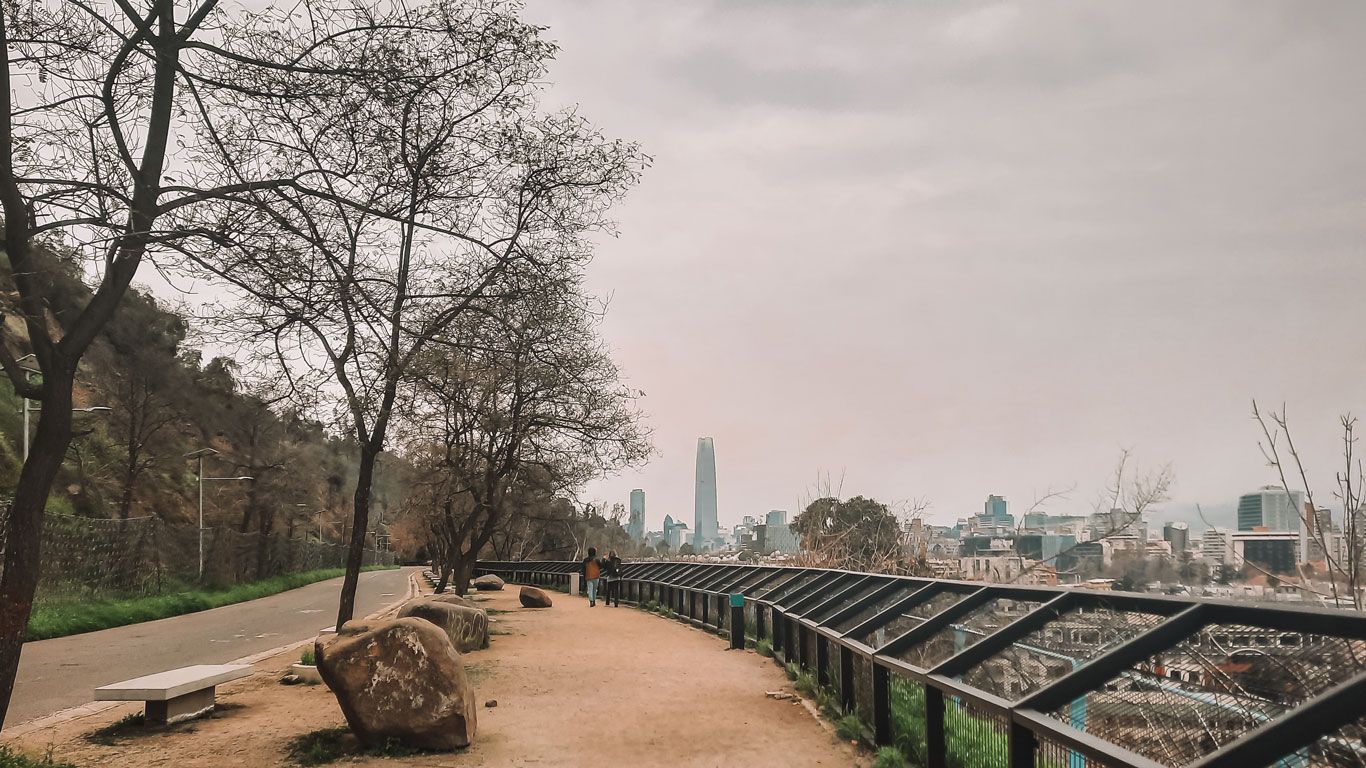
(175, 695)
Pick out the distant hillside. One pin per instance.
(164, 401)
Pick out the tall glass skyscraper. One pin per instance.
(704, 528)
(636, 527)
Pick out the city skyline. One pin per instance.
(1008, 250)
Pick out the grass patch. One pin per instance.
(765, 648)
(792, 670)
(59, 618)
(307, 658)
(332, 744)
(111, 735)
(889, 757)
(10, 758)
(849, 728)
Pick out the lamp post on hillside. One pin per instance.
(200, 454)
(28, 407)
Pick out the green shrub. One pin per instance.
(10, 758)
(792, 670)
(765, 648)
(889, 757)
(306, 658)
(849, 728)
(806, 683)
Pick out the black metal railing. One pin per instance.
(964, 674)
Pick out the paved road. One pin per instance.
(62, 672)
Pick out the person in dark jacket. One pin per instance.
(591, 569)
(611, 575)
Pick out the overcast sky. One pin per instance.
(946, 249)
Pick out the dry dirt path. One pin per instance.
(575, 686)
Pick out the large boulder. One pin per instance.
(467, 627)
(488, 583)
(401, 679)
(532, 597)
(453, 599)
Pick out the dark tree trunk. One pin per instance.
(355, 554)
(20, 579)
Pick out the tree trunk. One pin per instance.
(355, 554)
(20, 579)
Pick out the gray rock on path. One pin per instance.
(488, 583)
(466, 626)
(454, 599)
(401, 679)
(532, 597)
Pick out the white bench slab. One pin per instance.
(177, 694)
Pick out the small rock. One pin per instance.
(291, 680)
(491, 703)
(781, 695)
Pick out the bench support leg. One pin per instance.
(192, 704)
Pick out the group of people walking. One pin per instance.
(605, 569)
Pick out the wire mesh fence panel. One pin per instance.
(780, 586)
(863, 690)
(911, 618)
(1055, 649)
(1051, 754)
(907, 709)
(876, 607)
(744, 585)
(962, 634)
(808, 647)
(1344, 748)
(974, 737)
(786, 594)
(1211, 688)
(85, 558)
(826, 611)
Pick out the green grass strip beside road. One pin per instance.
(72, 617)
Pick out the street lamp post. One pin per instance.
(200, 454)
(28, 408)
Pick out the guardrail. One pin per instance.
(965, 674)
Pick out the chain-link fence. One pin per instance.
(89, 557)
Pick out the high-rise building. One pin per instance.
(776, 517)
(1217, 546)
(636, 528)
(995, 508)
(1179, 534)
(704, 527)
(1270, 507)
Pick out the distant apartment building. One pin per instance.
(1266, 552)
(776, 517)
(675, 534)
(776, 538)
(1178, 534)
(1270, 507)
(1216, 545)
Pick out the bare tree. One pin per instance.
(1345, 563)
(97, 96)
(1127, 496)
(452, 181)
(532, 401)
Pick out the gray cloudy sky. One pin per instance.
(952, 249)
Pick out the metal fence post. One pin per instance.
(1022, 746)
(847, 678)
(882, 705)
(822, 660)
(934, 728)
(737, 621)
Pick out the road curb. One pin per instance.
(89, 708)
